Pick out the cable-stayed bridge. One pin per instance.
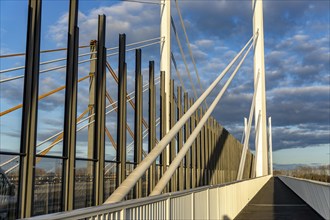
(191, 167)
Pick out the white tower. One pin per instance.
(259, 66)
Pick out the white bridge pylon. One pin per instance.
(260, 89)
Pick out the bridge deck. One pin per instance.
(276, 201)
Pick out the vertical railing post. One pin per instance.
(138, 139)
(198, 152)
(217, 136)
(202, 178)
(163, 120)
(173, 184)
(70, 110)
(270, 145)
(211, 151)
(121, 118)
(180, 137)
(152, 124)
(217, 139)
(187, 134)
(99, 130)
(206, 145)
(30, 109)
(193, 150)
(214, 151)
(91, 103)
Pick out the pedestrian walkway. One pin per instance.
(276, 201)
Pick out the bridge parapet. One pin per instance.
(222, 201)
(314, 193)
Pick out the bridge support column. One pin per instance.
(259, 67)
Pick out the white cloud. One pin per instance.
(138, 21)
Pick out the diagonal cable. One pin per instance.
(183, 57)
(177, 72)
(189, 48)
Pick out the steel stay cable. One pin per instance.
(47, 149)
(53, 144)
(135, 43)
(183, 57)
(189, 47)
(146, 45)
(43, 51)
(130, 147)
(136, 174)
(45, 62)
(80, 62)
(39, 98)
(143, 2)
(130, 99)
(248, 131)
(177, 72)
(61, 132)
(177, 160)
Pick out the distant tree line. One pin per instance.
(317, 173)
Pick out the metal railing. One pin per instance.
(222, 201)
(197, 151)
(314, 193)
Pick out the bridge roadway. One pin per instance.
(276, 201)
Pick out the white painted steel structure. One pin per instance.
(259, 66)
(223, 201)
(165, 52)
(315, 194)
(176, 162)
(137, 173)
(270, 144)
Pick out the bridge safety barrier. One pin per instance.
(222, 201)
(314, 193)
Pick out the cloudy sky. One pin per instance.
(296, 56)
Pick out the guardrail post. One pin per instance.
(121, 118)
(163, 118)
(30, 109)
(210, 150)
(198, 153)
(193, 150)
(91, 103)
(214, 152)
(187, 134)
(173, 184)
(70, 110)
(180, 138)
(138, 139)
(202, 176)
(206, 142)
(218, 152)
(192, 206)
(152, 124)
(99, 129)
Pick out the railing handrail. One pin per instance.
(118, 206)
(306, 180)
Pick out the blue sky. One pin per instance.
(296, 56)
